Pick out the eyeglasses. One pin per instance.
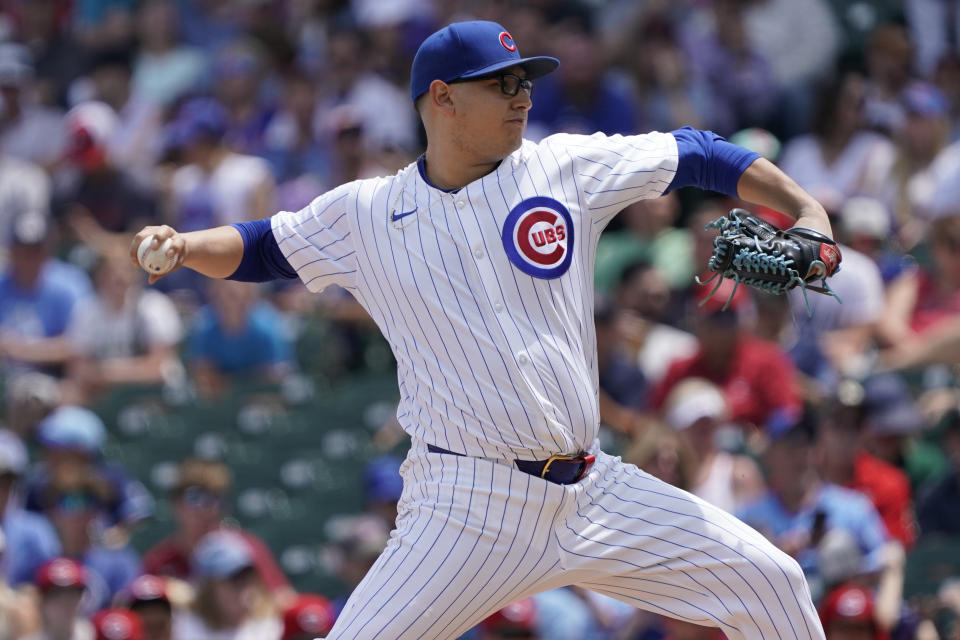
(510, 84)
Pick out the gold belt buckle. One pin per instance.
(552, 459)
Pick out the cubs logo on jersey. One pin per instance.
(538, 237)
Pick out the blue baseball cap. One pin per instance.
(221, 554)
(469, 50)
(74, 428)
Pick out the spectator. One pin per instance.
(840, 158)
(666, 454)
(24, 188)
(697, 408)
(215, 185)
(237, 336)
(165, 69)
(583, 97)
(383, 487)
(516, 620)
(123, 335)
(308, 617)
(644, 301)
(71, 442)
(740, 79)
(147, 597)
(800, 508)
(889, 58)
(30, 397)
(388, 117)
(623, 387)
(931, 296)
(833, 338)
(30, 131)
(75, 501)
(99, 200)
(925, 165)
(18, 609)
(355, 544)
(757, 379)
(231, 600)
(30, 536)
(136, 142)
(37, 298)
(848, 614)
(118, 624)
(937, 508)
(61, 583)
(648, 235)
(846, 462)
(199, 505)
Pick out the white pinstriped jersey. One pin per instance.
(485, 295)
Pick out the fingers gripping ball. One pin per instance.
(156, 261)
(751, 251)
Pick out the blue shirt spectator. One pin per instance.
(30, 538)
(238, 340)
(840, 508)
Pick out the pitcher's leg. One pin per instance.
(473, 537)
(645, 542)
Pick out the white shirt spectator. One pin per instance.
(23, 187)
(798, 37)
(189, 625)
(148, 319)
(229, 189)
(862, 168)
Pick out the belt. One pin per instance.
(558, 469)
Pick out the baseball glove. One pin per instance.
(754, 252)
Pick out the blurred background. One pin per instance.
(209, 459)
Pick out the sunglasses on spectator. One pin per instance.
(76, 502)
(510, 84)
(200, 498)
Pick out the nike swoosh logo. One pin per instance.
(397, 216)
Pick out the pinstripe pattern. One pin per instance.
(474, 535)
(498, 364)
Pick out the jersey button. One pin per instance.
(522, 359)
(497, 307)
(478, 252)
(461, 204)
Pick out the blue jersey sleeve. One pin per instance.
(262, 258)
(707, 161)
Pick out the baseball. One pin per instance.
(155, 261)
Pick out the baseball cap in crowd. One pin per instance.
(90, 126)
(13, 455)
(146, 588)
(118, 624)
(850, 605)
(310, 616)
(925, 100)
(515, 617)
(382, 481)
(16, 65)
(464, 50)
(861, 215)
(196, 119)
(692, 400)
(61, 573)
(74, 428)
(221, 554)
(30, 228)
(889, 406)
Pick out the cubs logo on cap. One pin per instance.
(538, 237)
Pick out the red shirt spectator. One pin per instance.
(757, 381)
(169, 558)
(889, 490)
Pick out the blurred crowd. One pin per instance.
(832, 428)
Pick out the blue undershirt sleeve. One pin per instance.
(262, 259)
(707, 161)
